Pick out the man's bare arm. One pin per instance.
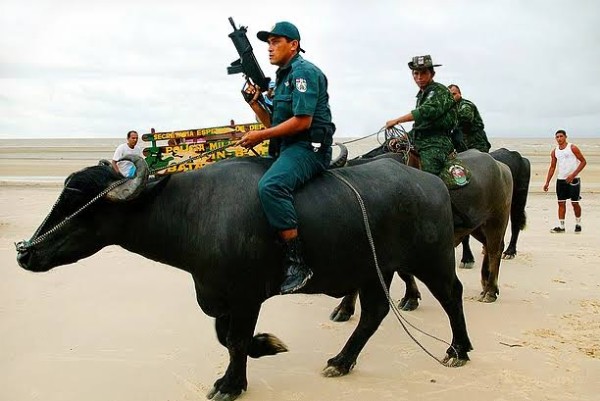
(115, 166)
(289, 127)
(551, 170)
(582, 163)
(404, 119)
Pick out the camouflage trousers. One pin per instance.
(434, 151)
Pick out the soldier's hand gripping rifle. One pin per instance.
(247, 63)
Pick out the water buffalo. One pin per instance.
(209, 222)
(480, 209)
(520, 169)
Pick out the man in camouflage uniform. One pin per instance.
(434, 116)
(470, 123)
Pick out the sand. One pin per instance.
(116, 326)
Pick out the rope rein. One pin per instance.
(24, 245)
(388, 131)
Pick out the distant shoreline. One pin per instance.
(47, 162)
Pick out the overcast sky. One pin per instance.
(100, 68)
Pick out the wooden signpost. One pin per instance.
(177, 147)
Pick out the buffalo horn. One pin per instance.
(132, 187)
(342, 158)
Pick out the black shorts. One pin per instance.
(566, 191)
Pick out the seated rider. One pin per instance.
(470, 124)
(300, 132)
(434, 117)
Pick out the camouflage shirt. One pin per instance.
(471, 126)
(435, 113)
(435, 116)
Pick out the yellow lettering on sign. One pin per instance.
(217, 144)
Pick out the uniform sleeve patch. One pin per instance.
(301, 84)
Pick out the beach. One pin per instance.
(117, 326)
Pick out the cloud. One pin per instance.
(99, 69)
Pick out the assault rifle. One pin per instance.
(247, 63)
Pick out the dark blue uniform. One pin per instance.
(301, 90)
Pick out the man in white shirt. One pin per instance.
(570, 162)
(124, 167)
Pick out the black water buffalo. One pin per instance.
(209, 222)
(520, 169)
(480, 209)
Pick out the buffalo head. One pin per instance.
(73, 228)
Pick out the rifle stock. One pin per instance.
(247, 63)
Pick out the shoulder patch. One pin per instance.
(301, 84)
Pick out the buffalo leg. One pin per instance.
(490, 267)
(410, 301)
(518, 218)
(374, 307)
(511, 249)
(515, 230)
(449, 294)
(344, 311)
(467, 261)
(516, 225)
(235, 331)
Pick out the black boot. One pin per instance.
(297, 272)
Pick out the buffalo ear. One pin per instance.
(134, 186)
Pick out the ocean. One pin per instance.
(51, 160)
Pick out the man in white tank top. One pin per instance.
(124, 167)
(570, 162)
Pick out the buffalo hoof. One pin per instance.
(340, 314)
(337, 370)
(488, 297)
(466, 265)
(225, 389)
(408, 304)
(266, 344)
(216, 395)
(508, 256)
(454, 362)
